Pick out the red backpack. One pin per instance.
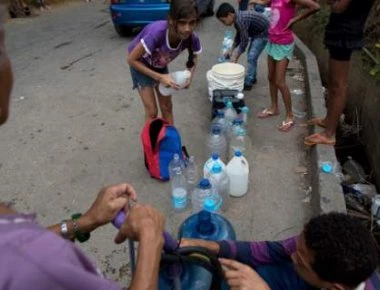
(160, 142)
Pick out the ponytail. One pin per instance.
(190, 60)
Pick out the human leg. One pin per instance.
(166, 106)
(256, 47)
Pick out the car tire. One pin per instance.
(123, 31)
(210, 9)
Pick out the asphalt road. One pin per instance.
(75, 126)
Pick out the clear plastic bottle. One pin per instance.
(216, 143)
(220, 183)
(221, 121)
(210, 163)
(200, 194)
(229, 113)
(176, 165)
(244, 114)
(179, 77)
(179, 191)
(238, 172)
(191, 174)
(240, 141)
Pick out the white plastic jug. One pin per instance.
(238, 172)
(210, 163)
(179, 77)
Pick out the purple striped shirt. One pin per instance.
(272, 252)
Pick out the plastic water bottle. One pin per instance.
(216, 142)
(210, 163)
(229, 113)
(226, 45)
(220, 121)
(235, 127)
(179, 77)
(244, 114)
(176, 165)
(191, 174)
(240, 141)
(179, 191)
(238, 172)
(221, 183)
(200, 194)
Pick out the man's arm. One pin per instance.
(338, 6)
(311, 8)
(242, 28)
(249, 253)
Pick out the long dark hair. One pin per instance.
(180, 9)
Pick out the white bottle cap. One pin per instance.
(240, 96)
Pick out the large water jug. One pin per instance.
(203, 225)
(216, 143)
(240, 141)
(200, 194)
(220, 121)
(207, 226)
(238, 172)
(210, 163)
(179, 77)
(221, 184)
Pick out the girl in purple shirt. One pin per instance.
(155, 47)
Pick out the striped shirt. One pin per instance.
(272, 260)
(249, 24)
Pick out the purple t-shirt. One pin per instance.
(32, 257)
(158, 52)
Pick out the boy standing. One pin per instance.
(251, 28)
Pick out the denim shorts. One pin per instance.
(280, 51)
(141, 80)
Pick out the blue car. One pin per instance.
(127, 14)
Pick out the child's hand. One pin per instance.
(188, 83)
(168, 82)
(290, 25)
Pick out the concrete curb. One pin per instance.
(327, 193)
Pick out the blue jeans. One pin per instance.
(256, 47)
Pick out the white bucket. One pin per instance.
(225, 76)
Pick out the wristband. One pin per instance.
(80, 236)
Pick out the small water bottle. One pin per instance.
(220, 182)
(244, 114)
(210, 163)
(191, 174)
(216, 143)
(176, 165)
(179, 77)
(200, 194)
(179, 191)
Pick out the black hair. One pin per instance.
(180, 9)
(344, 250)
(224, 9)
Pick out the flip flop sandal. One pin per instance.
(266, 114)
(317, 122)
(286, 126)
(318, 138)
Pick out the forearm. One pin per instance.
(261, 2)
(85, 225)
(338, 6)
(306, 14)
(148, 263)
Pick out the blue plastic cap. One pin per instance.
(204, 183)
(216, 168)
(229, 104)
(209, 204)
(216, 130)
(215, 156)
(220, 113)
(236, 122)
(238, 153)
(245, 109)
